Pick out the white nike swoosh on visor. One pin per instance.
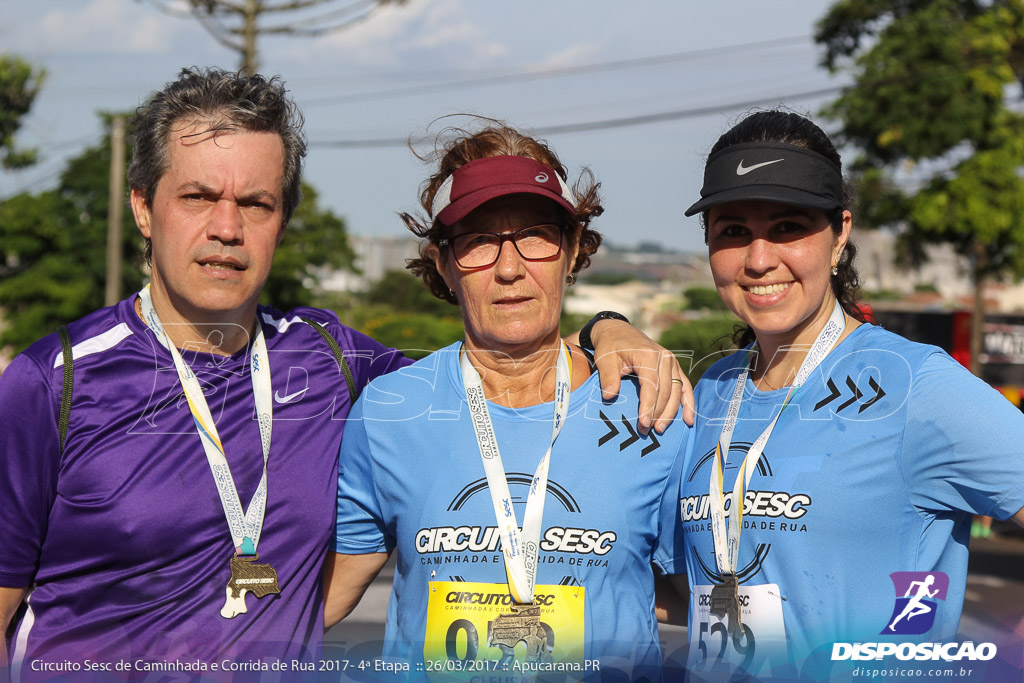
(287, 399)
(740, 170)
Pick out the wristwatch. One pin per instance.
(586, 343)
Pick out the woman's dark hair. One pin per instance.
(456, 147)
(794, 129)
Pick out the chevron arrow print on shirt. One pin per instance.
(627, 441)
(856, 394)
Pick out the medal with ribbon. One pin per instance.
(725, 596)
(246, 526)
(520, 548)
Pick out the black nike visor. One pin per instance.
(770, 171)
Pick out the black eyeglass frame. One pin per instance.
(506, 237)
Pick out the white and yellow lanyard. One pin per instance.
(520, 548)
(727, 540)
(245, 527)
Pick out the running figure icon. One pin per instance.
(914, 606)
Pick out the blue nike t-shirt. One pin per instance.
(874, 468)
(412, 480)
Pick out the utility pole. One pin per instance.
(979, 262)
(251, 13)
(116, 204)
(238, 24)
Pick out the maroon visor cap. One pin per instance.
(484, 179)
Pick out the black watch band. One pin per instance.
(586, 343)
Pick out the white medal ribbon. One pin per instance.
(520, 548)
(727, 540)
(244, 526)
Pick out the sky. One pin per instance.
(694, 67)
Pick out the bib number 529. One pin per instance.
(743, 643)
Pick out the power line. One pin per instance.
(523, 77)
(588, 126)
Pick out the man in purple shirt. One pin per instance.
(182, 524)
(123, 539)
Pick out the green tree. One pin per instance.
(930, 85)
(416, 334)
(53, 251)
(699, 343)
(406, 293)
(597, 278)
(703, 298)
(398, 310)
(315, 242)
(19, 84)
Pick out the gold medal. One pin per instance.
(247, 576)
(521, 625)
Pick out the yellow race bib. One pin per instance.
(461, 624)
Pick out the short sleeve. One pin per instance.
(669, 555)
(29, 462)
(962, 445)
(360, 522)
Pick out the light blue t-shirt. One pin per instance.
(875, 467)
(412, 480)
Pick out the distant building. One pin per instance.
(649, 265)
(944, 270)
(374, 257)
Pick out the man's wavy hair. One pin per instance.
(224, 102)
(454, 148)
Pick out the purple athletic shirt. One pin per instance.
(124, 537)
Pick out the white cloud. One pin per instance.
(106, 26)
(572, 55)
(394, 33)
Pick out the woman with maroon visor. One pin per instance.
(525, 510)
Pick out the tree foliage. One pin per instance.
(53, 251)
(415, 334)
(405, 292)
(398, 310)
(703, 298)
(19, 84)
(699, 343)
(315, 242)
(931, 83)
(929, 76)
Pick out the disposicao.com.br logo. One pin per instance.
(914, 612)
(916, 605)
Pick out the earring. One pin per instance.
(451, 292)
(570, 279)
(835, 270)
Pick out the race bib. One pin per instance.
(760, 643)
(475, 622)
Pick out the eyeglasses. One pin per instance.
(481, 249)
